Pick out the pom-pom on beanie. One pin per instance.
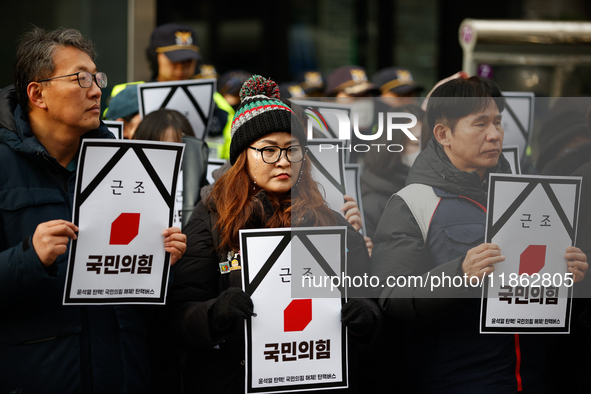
(261, 112)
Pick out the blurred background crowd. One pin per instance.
(299, 43)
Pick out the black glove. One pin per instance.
(231, 305)
(357, 316)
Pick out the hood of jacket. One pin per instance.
(433, 168)
(16, 133)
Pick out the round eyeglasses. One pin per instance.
(85, 79)
(272, 154)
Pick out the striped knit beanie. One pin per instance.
(261, 112)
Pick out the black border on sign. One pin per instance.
(287, 237)
(183, 85)
(534, 182)
(117, 124)
(527, 134)
(341, 147)
(81, 196)
(356, 169)
(515, 151)
(535, 330)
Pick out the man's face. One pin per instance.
(70, 107)
(476, 143)
(169, 71)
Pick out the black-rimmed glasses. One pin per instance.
(85, 79)
(272, 154)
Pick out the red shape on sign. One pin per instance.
(125, 228)
(297, 315)
(532, 260)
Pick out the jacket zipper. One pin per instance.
(517, 347)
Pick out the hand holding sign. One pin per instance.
(231, 305)
(352, 213)
(357, 315)
(479, 260)
(175, 243)
(51, 239)
(368, 244)
(577, 263)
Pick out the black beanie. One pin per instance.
(261, 112)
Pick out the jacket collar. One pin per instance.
(432, 167)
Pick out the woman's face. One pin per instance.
(277, 177)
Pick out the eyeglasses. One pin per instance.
(272, 154)
(85, 79)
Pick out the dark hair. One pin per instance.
(34, 56)
(155, 124)
(448, 103)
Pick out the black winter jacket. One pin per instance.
(214, 360)
(445, 351)
(376, 191)
(46, 347)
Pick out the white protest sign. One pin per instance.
(293, 344)
(192, 98)
(518, 119)
(327, 157)
(533, 219)
(115, 127)
(123, 201)
(353, 187)
(511, 153)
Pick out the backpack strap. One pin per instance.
(422, 202)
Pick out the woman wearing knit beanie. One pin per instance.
(268, 186)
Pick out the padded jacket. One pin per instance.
(446, 352)
(46, 347)
(215, 360)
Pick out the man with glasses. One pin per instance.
(435, 227)
(44, 346)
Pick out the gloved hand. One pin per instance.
(357, 316)
(232, 304)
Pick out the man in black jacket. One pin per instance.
(45, 346)
(435, 226)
